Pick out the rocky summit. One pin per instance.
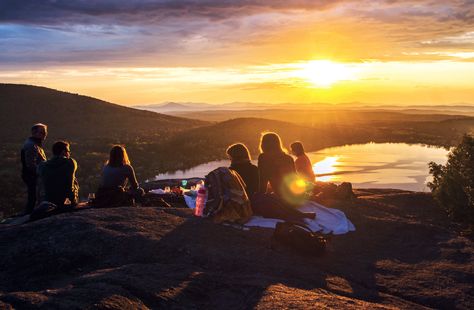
(405, 253)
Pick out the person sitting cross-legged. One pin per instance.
(116, 174)
(57, 177)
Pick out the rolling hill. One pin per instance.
(90, 124)
(74, 116)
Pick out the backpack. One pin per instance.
(299, 238)
(227, 200)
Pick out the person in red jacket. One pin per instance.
(302, 163)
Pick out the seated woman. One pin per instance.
(302, 162)
(276, 168)
(115, 175)
(240, 162)
(274, 164)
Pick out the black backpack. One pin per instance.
(299, 238)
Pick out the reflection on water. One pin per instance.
(378, 165)
(199, 171)
(371, 165)
(326, 166)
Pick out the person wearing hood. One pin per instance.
(32, 154)
(57, 176)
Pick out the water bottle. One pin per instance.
(200, 201)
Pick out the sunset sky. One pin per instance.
(217, 51)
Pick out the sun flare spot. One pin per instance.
(298, 186)
(324, 73)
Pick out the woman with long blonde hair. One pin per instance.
(274, 164)
(277, 169)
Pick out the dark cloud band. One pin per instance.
(140, 11)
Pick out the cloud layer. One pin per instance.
(216, 32)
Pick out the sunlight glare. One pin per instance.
(326, 166)
(325, 178)
(324, 73)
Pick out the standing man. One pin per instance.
(32, 154)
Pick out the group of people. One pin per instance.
(54, 180)
(270, 182)
(273, 165)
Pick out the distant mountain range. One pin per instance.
(167, 107)
(175, 108)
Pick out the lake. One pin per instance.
(370, 165)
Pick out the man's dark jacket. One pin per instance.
(32, 154)
(58, 180)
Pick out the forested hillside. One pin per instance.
(91, 125)
(159, 143)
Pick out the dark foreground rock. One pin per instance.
(404, 254)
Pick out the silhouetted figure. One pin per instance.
(32, 154)
(277, 168)
(273, 164)
(57, 177)
(302, 162)
(118, 172)
(240, 161)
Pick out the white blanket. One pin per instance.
(327, 220)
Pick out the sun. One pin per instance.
(324, 73)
